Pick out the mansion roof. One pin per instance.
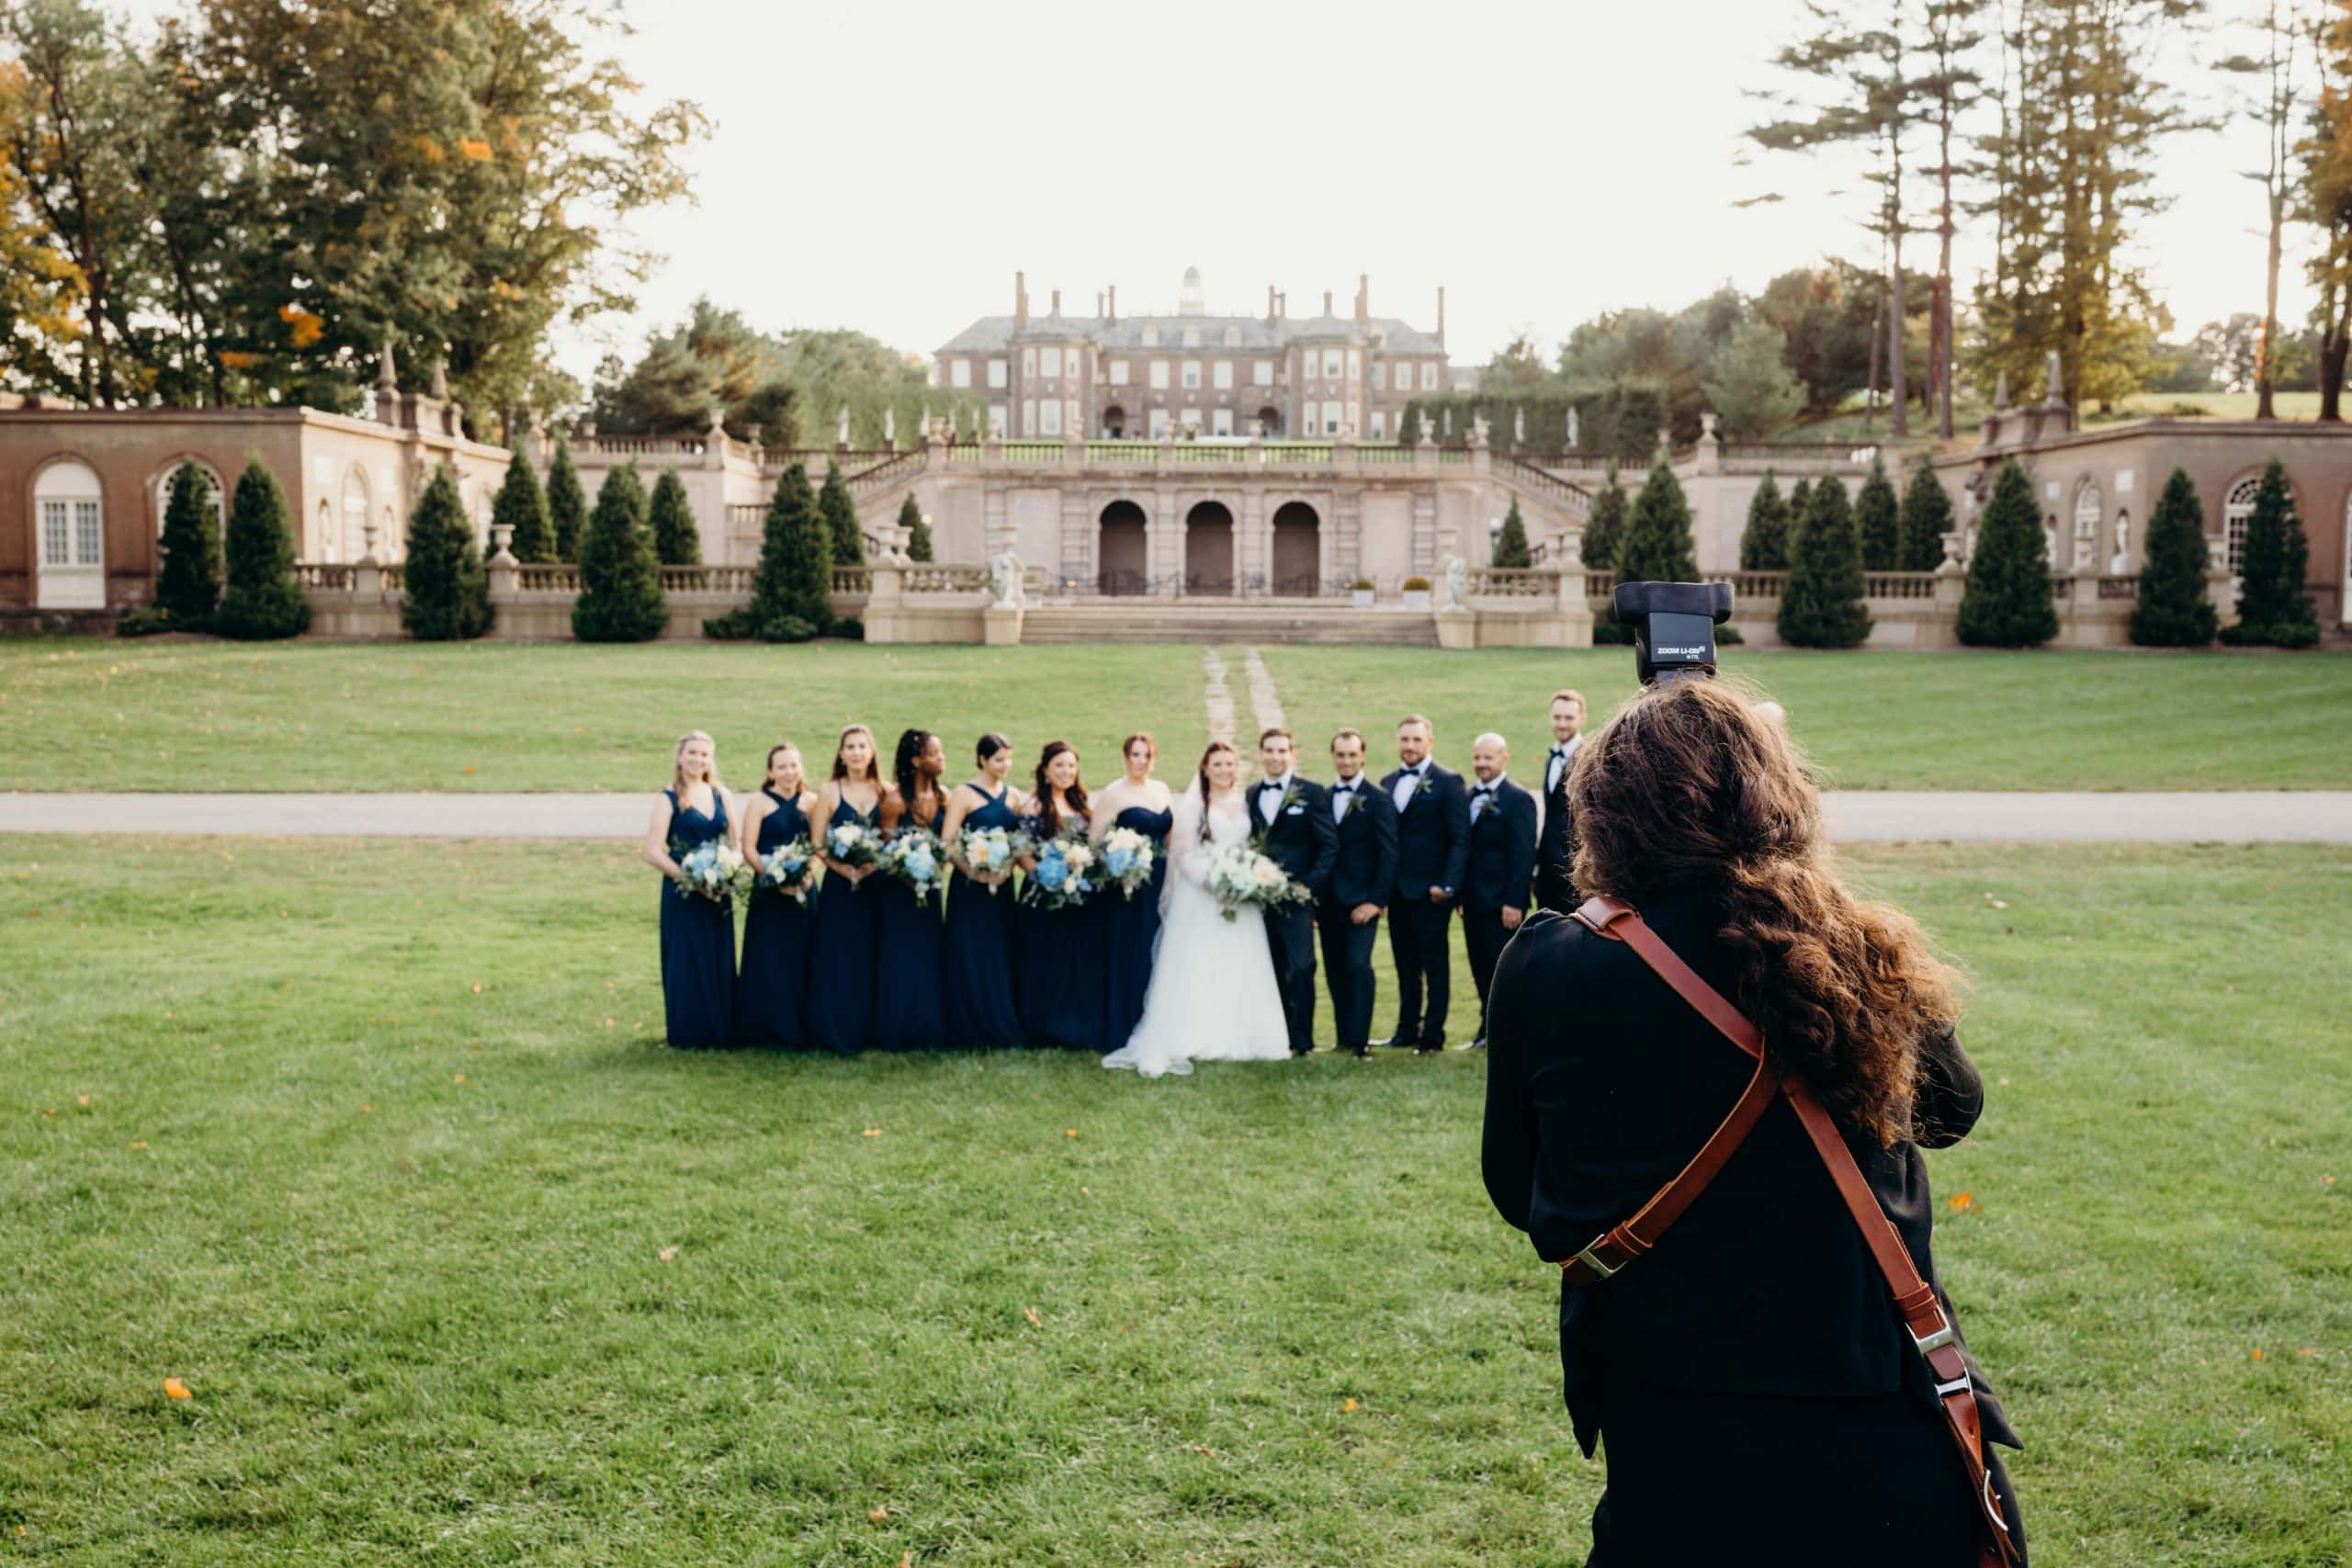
(992, 332)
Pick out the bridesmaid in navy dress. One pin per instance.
(1142, 803)
(1065, 951)
(907, 1009)
(772, 989)
(841, 960)
(698, 933)
(977, 960)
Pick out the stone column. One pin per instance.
(1164, 543)
(1251, 545)
(1343, 543)
(1425, 532)
(885, 599)
(1711, 447)
(1077, 559)
(996, 528)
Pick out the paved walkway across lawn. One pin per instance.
(1860, 816)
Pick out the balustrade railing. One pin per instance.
(638, 445)
(1297, 453)
(928, 579)
(559, 578)
(707, 578)
(396, 577)
(2118, 588)
(1202, 454)
(883, 475)
(852, 579)
(1514, 581)
(1899, 584)
(1384, 455)
(323, 574)
(1036, 454)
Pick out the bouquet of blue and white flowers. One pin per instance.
(1239, 876)
(853, 845)
(710, 869)
(1126, 860)
(988, 850)
(1065, 873)
(791, 870)
(915, 857)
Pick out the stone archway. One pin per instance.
(1120, 550)
(1297, 570)
(69, 536)
(1270, 422)
(1114, 423)
(1208, 550)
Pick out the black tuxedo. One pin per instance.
(1501, 869)
(1432, 850)
(1302, 840)
(1363, 872)
(1552, 850)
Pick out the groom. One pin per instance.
(1293, 821)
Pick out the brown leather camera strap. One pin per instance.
(1923, 1315)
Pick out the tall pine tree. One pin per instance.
(2173, 611)
(840, 513)
(2007, 602)
(522, 509)
(2272, 607)
(676, 540)
(1764, 542)
(567, 502)
(790, 590)
(1821, 603)
(918, 532)
(1877, 514)
(262, 599)
(1656, 546)
(1926, 518)
(446, 592)
(1511, 545)
(1606, 524)
(187, 589)
(620, 581)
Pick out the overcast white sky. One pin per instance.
(1544, 161)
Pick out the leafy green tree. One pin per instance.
(187, 589)
(446, 590)
(840, 513)
(918, 532)
(567, 502)
(262, 599)
(1750, 383)
(1878, 516)
(1511, 545)
(2272, 607)
(2173, 611)
(1800, 499)
(676, 540)
(1821, 603)
(620, 579)
(790, 591)
(1607, 525)
(2007, 602)
(522, 509)
(1926, 518)
(1764, 542)
(1657, 545)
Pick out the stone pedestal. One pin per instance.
(1459, 628)
(1001, 628)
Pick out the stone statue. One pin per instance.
(1424, 417)
(1447, 421)
(2054, 396)
(1575, 441)
(925, 426)
(1479, 429)
(1004, 578)
(840, 431)
(890, 426)
(2001, 390)
(1519, 425)
(1457, 585)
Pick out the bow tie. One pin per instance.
(1267, 786)
(1347, 789)
(1484, 789)
(1559, 750)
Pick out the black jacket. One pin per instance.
(1602, 1084)
(1502, 851)
(1432, 833)
(1363, 871)
(1552, 848)
(1301, 838)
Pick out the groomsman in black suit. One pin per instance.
(1433, 846)
(1503, 865)
(1291, 818)
(1552, 889)
(1363, 876)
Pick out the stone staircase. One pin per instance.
(1235, 621)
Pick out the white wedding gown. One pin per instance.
(1212, 997)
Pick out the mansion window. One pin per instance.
(1158, 423)
(1225, 374)
(1050, 363)
(1380, 424)
(1356, 365)
(2236, 507)
(1429, 375)
(1071, 420)
(996, 374)
(996, 417)
(1118, 372)
(1330, 365)
(959, 373)
(1028, 364)
(1192, 373)
(1261, 374)
(1160, 375)
(1050, 411)
(1222, 422)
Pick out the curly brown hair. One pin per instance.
(1688, 789)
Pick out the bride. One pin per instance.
(1212, 997)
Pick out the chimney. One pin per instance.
(1363, 301)
(1019, 300)
(1441, 315)
(1282, 303)
(1270, 304)
(1327, 301)
(1113, 317)
(1098, 304)
(1057, 301)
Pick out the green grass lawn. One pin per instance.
(373, 1146)
(206, 715)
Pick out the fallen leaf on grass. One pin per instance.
(1965, 1204)
(138, 1144)
(477, 988)
(906, 1558)
(879, 1514)
(82, 1101)
(1349, 1408)
(2258, 1352)
(2307, 1354)
(871, 1132)
(668, 1255)
(1205, 1451)
(176, 1389)
(366, 1110)
(457, 1077)
(1031, 1313)
(608, 1023)
(1067, 1132)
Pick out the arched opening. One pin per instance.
(1208, 550)
(1299, 551)
(216, 494)
(1270, 422)
(2120, 564)
(354, 514)
(1114, 423)
(1123, 561)
(2089, 507)
(326, 540)
(2237, 505)
(69, 515)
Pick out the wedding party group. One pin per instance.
(885, 910)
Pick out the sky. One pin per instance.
(888, 166)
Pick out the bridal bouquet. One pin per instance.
(992, 850)
(710, 869)
(853, 845)
(791, 870)
(1239, 874)
(1063, 877)
(915, 857)
(1126, 860)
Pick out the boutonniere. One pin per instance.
(1290, 797)
(1350, 802)
(1426, 784)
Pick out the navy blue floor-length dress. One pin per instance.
(1135, 930)
(697, 940)
(976, 958)
(840, 963)
(772, 988)
(1064, 952)
(908, 1013)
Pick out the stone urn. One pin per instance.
(1360, 592)
(1416, 593)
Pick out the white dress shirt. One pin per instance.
(1270, 798)
(1561, 756)
(1484, 796)
(1408, 781)
(1341, 792)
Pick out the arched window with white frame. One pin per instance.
(2090, 506)
(2120, 564)
(354, 514)
(69, 520)
(2237, 505)
(327, 537)
(217, 493)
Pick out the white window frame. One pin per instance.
(1261, 374)
(1049, 363)
(1158, 423)
(1356, 365)
(1429, 375)
(959, 372)
(1028, 416)
(997, 374)
(1220, 422)
(1118, 372)
(1160, 375)
(1049, 417)
(996, 419)
(1224, 377)
(2237, 505)
(1330, 365)
(1191, 337)
(1191, 375)
(1380, 424)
